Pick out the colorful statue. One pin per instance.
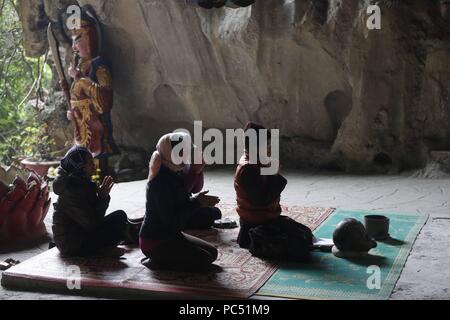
(91, 93)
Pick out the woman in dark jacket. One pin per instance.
(80, 226)
(203, 218)
(169, 208)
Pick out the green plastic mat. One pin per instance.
(370, 278)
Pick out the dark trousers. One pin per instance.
(184, 253)
(110, 233)
(203, 218)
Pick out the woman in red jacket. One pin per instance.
(258, 205)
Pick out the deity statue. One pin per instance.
(91, 92)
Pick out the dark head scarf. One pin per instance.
(258, 128)
(74, 162)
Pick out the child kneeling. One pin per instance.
(80, 225)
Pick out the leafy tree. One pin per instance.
(22, 83)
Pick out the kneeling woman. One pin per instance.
(264, 231)
(80, 227)
(202, 218)
(169, 208)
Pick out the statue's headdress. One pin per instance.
(89, 25)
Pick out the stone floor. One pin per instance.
(426, 275)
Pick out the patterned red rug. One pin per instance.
(241, 277)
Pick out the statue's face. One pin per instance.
(82, 46)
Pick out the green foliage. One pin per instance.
(21, 90)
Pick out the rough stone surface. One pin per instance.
(343, 96)
(443, 159)
(54, 114)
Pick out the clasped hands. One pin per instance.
(206, 201)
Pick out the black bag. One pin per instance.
(283, 239)
(243, 3)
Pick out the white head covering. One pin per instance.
(171, 160)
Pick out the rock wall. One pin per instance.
(343, 96)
